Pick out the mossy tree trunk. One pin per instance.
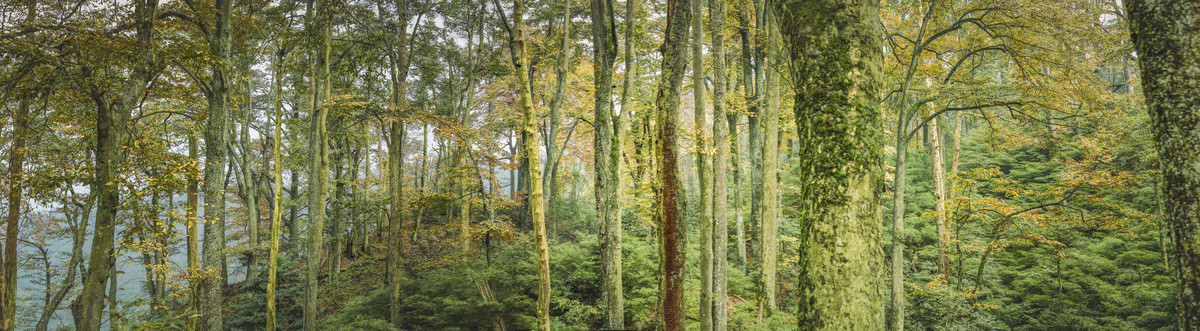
(835, 48)
(607, 158)
(1168, 48)
(670, 201)
(703, 168)
(721, 134)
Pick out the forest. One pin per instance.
(599, 165)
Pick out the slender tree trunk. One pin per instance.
(396, 242)
(251, 189)
(749, 91)
(1166, 41)
(670, 200)
(78, 231)
(190, 218)
(277, 206)
(838, 120)
(529, 140)
(16, 161)
(703, 168)
(721, 134)
(939, 192)
(549, 182)
(607, 160)
(770, 165)
(340, 209)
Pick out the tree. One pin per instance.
(1165, 40)
(531, 151)
(396, 135)
(835, 49)
(670, 202)
(607, 151)
(720, 131)
(703, 168)
(318, 162)
(769, 236)
(111, 117)
(15, 181)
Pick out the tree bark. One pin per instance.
(277, 206)
(396, 242)
(1166, 41)
(532, 154)
(838, 120)
(670, 201)
(16, 161)
(607, 159)
(770, 169)
(318, 163)
(703, 168)
(111, 119)
(721, 134)
(939, 195)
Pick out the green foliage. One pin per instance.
(250, 307)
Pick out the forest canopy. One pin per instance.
(599, 164)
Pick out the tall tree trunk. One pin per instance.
(749, 91)
(607, 159)
(340, 211)
(838, 120)
(318, 173)
(215, 140)
(249, 180)
(721, 134)
(536, 209)
(770, 168)
(939, 195)
(190, 218)
(670, 202)
(396, 138)
(703, 168)
(549, 182)
(277, 206)
(111, 119)
(16, 161)
(1166, 41)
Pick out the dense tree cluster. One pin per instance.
(599, 164)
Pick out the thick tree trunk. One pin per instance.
(111, 119)
(215, 140)
(703, 168)
(721, 134)
(607, 160)
(1166, 41)
(318, 167)
(670, 199)
(838, 119)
